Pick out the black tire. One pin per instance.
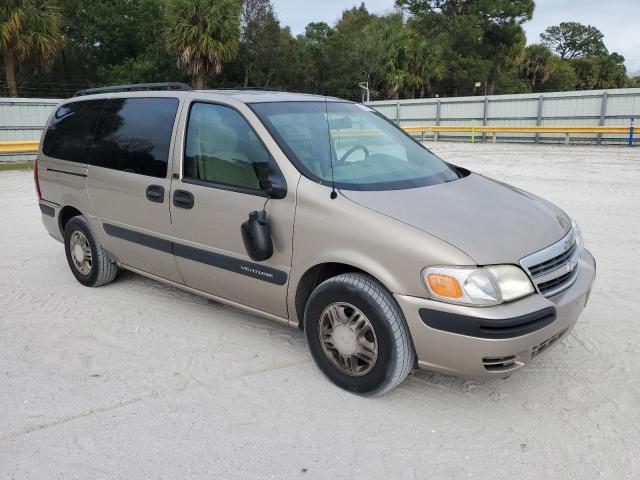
(102, 270)
(396, 355)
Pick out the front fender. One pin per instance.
(342, 231)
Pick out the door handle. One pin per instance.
(183, 199)
(155, 193)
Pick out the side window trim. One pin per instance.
(174, 135)
(223, 186)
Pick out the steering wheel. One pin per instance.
(353, 149)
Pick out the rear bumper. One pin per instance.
(494, 341)
(50, 218)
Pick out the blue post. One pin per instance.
(631, 133)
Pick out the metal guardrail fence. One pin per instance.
(598, 117)
(567, 131)
(599, 108)
(31, 147)
(22, 119)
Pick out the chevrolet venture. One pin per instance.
(318, 213)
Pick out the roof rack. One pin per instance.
(260, 89)
(134, 87)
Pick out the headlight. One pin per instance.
(480, 286)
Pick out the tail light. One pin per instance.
(35, 179)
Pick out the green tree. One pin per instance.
(151, 65)
(202, 35)
(388, 43)
(269, 56)
(431, 46)
(476, 37)
(634, 81)
(109, 31)
(286, 69)
(509, 82)
(571, 40)
(562, 78)
(259, 40)
(113, 41)
(606, 71)
(425, 65)
(536, 63)
(349, 54)
(29, 30)
(315, 62)
(399, 60)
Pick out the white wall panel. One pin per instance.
(580, 108)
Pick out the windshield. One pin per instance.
(356, 148)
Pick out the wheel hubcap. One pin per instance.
(348, 339)
(344, 339)
(80, 252)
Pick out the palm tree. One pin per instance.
(202, 34)
(29, 30)
(425, 65)
(536, 63)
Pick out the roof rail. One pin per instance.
(134, 87)
(257, 89)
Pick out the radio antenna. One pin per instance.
(333, 182)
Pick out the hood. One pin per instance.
(490, 221)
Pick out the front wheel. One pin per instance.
(357, 334)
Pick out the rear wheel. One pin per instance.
(87, 259)
(357, 334)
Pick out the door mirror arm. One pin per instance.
(274, 186)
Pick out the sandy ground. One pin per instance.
(137, 380)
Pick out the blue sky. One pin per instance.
(619, 20)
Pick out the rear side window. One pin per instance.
(134, 134)
(71, 130)
(221, 148)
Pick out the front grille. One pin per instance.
(556, 262)
(538, 349)
(551, 285)
(555, 268)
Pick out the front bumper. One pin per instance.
(485, 349)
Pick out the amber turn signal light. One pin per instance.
(444, 285)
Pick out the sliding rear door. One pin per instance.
(128, 181)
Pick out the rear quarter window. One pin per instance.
(134, 134)
(71, 131)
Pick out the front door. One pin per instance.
(128, 181)
(224, 165)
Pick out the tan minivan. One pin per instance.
(318, 213)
